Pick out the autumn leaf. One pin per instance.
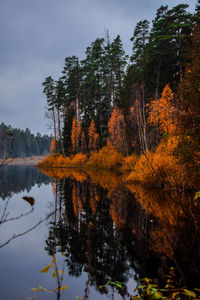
(45, 269)
(63, 288)
(36, 290)
(45, 290)
(62, 272)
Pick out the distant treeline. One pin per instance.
(18, 179)
(15, 142)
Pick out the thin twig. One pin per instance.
(25, 232)
(16, 218)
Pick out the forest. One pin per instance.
(139, 113)
(22, 143)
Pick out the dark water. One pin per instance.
(99, 228)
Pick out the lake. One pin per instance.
(102, 233)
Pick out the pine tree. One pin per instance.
(49, 91)
(140, 38)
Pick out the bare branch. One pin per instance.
(27, 231)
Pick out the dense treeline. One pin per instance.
(133, 103)
(22, 143)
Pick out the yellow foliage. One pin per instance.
(63, 288)
(36, 290)
(45, 269)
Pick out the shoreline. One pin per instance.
(32, 160)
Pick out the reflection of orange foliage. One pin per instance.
(105, 179)
(53, 186)
(94, 198)
(61, 173)
(161, 243)
(118, 208)
(162, 111)
(76, 199)
(160, 167)
(159, 203)
(169, 212)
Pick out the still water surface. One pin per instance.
(106, 230)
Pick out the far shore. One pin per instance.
(33, 160)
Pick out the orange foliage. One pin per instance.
(117, 131)
(162, 112)
(63, 162)
(78, 159)
(53, 145)
(53, 186)
(76, 135)
(160, 167)
(93, 137)
(83, 144)
(128, 163)
(108, 157)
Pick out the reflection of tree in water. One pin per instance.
(15, 179)
(107, 233)
(86, 232)
(175, 237)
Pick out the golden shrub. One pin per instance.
(161, 167)
(108, 157)
(129, 162)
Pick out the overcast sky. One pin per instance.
(37, 35)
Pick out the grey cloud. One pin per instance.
(37, 35)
